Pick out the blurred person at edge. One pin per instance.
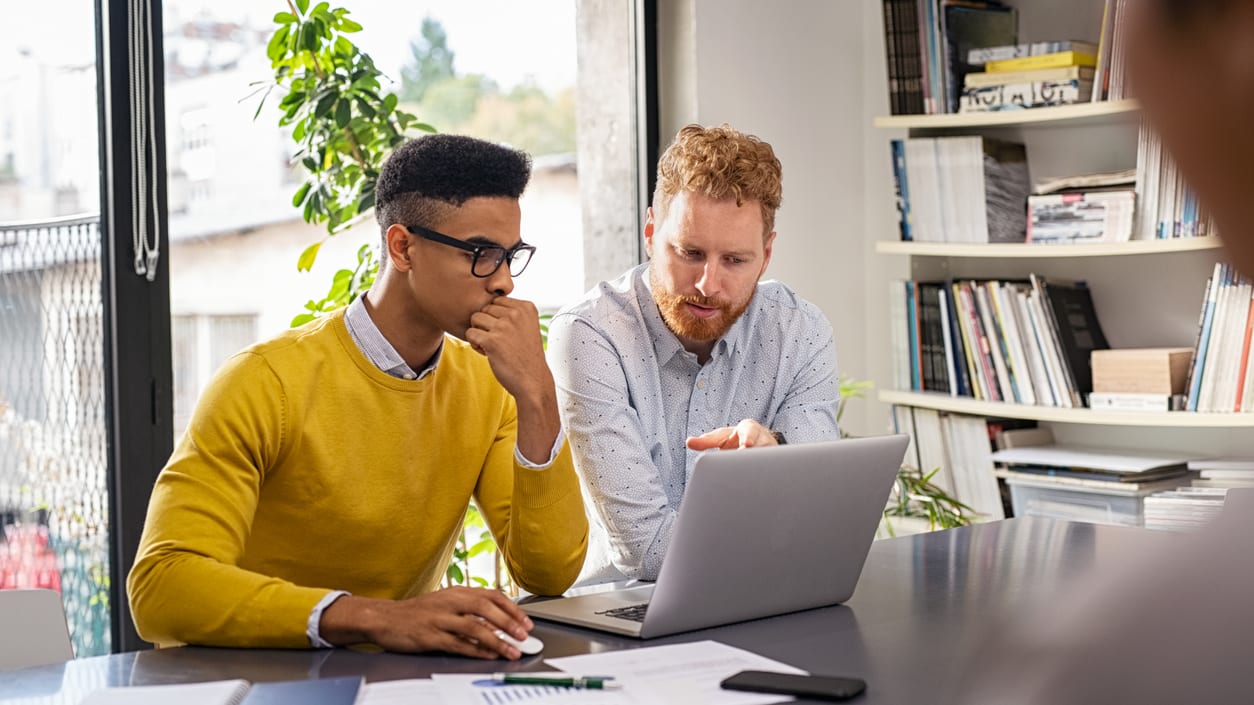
(1173, 621)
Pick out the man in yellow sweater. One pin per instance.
(317, 495)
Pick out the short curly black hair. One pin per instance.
(424, 177)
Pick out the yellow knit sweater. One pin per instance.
(307, 469)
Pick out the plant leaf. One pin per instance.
(306, 260)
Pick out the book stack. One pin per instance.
(1029, 76)
(1099, 485)
(960, 189)
(1183, 509)
(1220, 378)
(1109, 82)
(927, 43)
(1168, 207)
(1224, 473)
(1083, 208)
(959, 448)
(1009, 341)
(1092, 216)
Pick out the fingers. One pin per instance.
(751, 434)
(746, 434)
(452, 640)
(504, 322)
(477, 635)
(718, 438)
(501, 613)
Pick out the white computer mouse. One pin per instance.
(529, 646)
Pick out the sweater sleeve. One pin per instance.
(536, 516)
(186, 585)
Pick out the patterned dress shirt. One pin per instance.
(630, 397)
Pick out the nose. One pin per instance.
(501, 282)
(711, 282)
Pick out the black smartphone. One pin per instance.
(818, 687)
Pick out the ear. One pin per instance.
(397, 240)
(766, 253)
(648, 231)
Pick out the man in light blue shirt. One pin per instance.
(688, 352)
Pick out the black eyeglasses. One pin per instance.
(488, 258)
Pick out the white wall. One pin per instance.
(792, 73)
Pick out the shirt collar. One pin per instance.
(372, 343)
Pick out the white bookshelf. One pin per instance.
(1080, 114)
(1030, 251)
(974, 407)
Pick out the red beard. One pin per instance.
(684, 324)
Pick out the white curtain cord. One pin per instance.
(145, 233)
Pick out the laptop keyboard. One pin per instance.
(634, 613)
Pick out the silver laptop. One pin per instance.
(760, 532)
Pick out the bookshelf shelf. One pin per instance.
(974, 407)
(1070, 115)
(1025, 250)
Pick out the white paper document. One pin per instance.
(679, 673)
(480, 689)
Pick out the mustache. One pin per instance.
(704, 301)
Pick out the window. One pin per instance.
(54, 519)
(200, 345)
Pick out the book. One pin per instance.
(1023, 437)
(1116, 460)
(1073, 319)
(1240, 464)
(1094, 216)
(901, 185)
(1042, 61)
(961, 189)
(1098, 486)
(1000, 53)
(325, 691)
(1005, 184)
(1019, 96)
(904, 59)
(966, 27)
(1101, 181)
(982, 79)
(1133, 401)
(1100, 475)
(1198, 365)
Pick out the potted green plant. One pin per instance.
(915, 503)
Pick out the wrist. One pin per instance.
(350, 620)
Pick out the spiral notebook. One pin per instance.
(327, 691)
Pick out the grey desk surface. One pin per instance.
(921, 601)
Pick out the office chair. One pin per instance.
(32, 623)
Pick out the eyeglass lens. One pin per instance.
(489, 260)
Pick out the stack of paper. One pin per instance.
(1113, 471)
(676, 673)
(1184, 509)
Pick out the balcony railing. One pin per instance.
(53, 489)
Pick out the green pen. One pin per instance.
(555, 680)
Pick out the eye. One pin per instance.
(736, 260)
(690, 254)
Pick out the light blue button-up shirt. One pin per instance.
(630, 397)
